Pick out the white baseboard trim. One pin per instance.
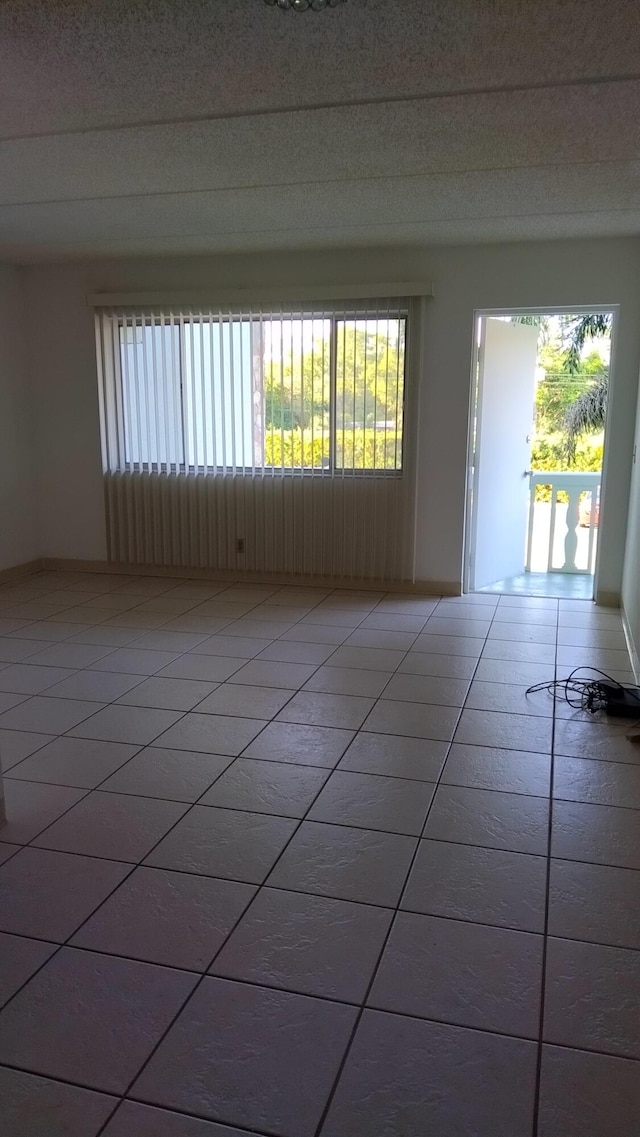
(419, 587)
(634, 649)
(606, 599)
(17, 572)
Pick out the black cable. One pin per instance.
(586, 694)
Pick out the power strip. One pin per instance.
(620, 702)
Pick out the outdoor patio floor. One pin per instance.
(556, 585)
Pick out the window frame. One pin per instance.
(334, 314)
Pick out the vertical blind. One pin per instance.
(295, 417)
(254, 391)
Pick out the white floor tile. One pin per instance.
(25, 679)
(125, 724)
(70, 655)
(463, 973)
(281, 788)
(48, 895)
(73, 762)
(20, 958)
(245, 700)
(66, 1023)
(398, 757)
(306, 745)
(320, 709)
(266, 673)
(145, 918)
(290, 1036)
(417, 720)
(31, 807)
(177, 775)
(46, 715)
(135, 661)
(280, 759)
(228, 843)
(348, 681)
(442, 1071)
(370, 801)
(18, 744)
(210, 734)
(115, 826)
(206, 668)
(29, 1103)
(167, 694)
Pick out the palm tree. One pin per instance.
(586, 415)
(589, 411)
(576, 330)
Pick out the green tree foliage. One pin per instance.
(368, 403)
(560, 388)
(549, 453)
(370, 373)
(576, 330)
(543, 323)
(558, 396)
(297, 449)
(572, 399)
(588, 412)
(586, 415)
(296, 387)
(362, 449)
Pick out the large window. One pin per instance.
(292, 391)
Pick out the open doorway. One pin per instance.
(541, 382)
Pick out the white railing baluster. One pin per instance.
(571, 538)
(574, 483)
(595, 504)
(532, 503)
(552, 527)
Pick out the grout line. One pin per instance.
(330, 771)
(100, 786)
(134, 866)
(206, 971)
(205, 974)
(383, 949)
(290, 888)
(139, 864)
(545, 940)
(182, 1112)
(298, 892)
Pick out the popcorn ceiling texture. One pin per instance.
(168, 127)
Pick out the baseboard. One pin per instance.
(634, 649)
(607, 599)
(16, 572)
(421, 587)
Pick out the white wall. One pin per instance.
(543, 274)
(631, 575)
(18, 539)
(533, 275)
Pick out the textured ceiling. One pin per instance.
(144, 126)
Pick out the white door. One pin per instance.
(506, 396)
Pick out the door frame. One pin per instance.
(475, 412)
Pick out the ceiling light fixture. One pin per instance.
(304, 5)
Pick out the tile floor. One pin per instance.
(291, 862)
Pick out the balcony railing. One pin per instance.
(546, 545)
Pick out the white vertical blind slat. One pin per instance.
(260, 426)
